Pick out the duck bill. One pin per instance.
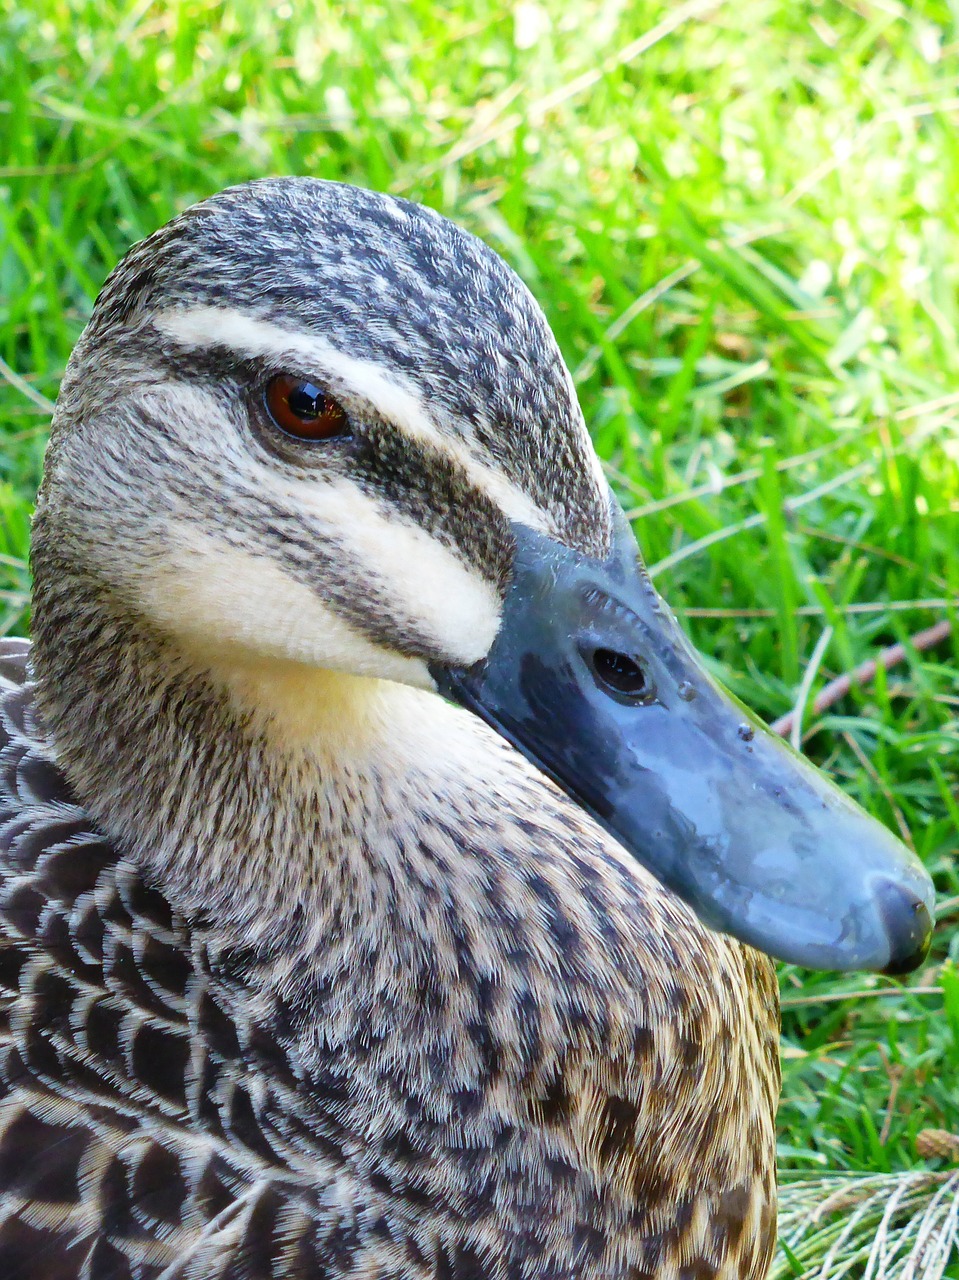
(591, 677)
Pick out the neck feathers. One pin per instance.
(394, 868)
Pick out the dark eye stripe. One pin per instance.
(414, 478)
(433, 490)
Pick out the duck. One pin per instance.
(386, 887)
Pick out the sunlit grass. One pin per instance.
(741, 220)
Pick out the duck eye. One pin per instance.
(302, 409)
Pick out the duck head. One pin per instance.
(315, 425)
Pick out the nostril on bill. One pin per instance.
(621, 674)
(908, 926)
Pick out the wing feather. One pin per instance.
(130, 1147)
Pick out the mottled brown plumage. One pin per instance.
(307, 973)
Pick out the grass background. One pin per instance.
(741, 220)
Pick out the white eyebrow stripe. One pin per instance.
(387, 391)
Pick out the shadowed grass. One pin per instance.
(741, 221)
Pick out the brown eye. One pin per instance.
(302, 409)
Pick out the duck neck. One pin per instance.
(440, 915)
(330, 828)
(256, 791)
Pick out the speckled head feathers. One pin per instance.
(392, 282)
(463, 419)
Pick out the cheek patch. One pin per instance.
(455, 608)
(414, 586)
(217, 600)
(214, 596)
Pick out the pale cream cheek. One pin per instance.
(311, 683)
(453, 606)
(211, 589)
(239, 611)
(223, 603)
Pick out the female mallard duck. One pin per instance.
(309, 972)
